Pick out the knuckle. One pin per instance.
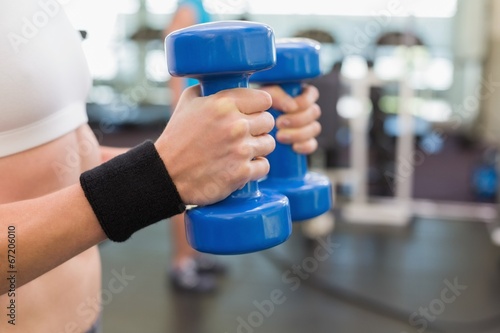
(266, 167)
(300, 136)
(300, 148)
(313, 91)
(267, 99)
(239, 129)
(223, 102)
(317, 128)
(261, 168)
(268, 121)
(232, 167)
(314, 144)
(226, 94)
(270, 144)
(316, 111)
(244, 173)
(243, 152)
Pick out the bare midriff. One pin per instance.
(65, 299)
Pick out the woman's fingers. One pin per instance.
(259, 168)
(306, 147)
(299, 119)
(292, 135)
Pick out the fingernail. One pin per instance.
(284, 138)
(283, 122)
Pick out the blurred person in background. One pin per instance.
(189, 269)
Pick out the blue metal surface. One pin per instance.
(222, 55)
(309, 193)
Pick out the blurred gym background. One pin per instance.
(410, 95)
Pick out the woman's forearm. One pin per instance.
(44, 233)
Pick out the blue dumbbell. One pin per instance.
(309, 193)
(222, 55)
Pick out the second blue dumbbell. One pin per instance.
(310, 193)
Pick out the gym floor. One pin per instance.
(433, 276)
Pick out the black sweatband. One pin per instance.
(131, 191)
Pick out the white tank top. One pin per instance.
(44, 77)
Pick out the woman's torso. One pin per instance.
(44, 146)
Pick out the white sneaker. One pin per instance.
(319, 226)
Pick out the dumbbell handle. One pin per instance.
(296, 164)
(213, 85)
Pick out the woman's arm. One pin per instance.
(54, 228)
(51, 229)
(48, 231)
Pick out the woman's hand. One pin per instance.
(214, 145)
(298, 125)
